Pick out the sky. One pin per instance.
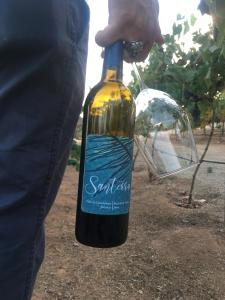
(168, 12)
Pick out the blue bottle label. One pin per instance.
(107, 175)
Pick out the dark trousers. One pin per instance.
(43, 49)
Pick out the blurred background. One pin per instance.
(168, 14)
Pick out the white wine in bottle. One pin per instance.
(106, 158)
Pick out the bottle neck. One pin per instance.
(113, 62)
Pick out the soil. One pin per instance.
(171, 253)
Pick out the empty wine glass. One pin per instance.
(163, 132)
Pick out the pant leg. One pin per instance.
(43, 49)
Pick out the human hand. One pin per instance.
(132, 20)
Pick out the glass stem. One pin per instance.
(139, 77)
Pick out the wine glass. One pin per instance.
(163, 132)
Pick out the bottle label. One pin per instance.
(107, 175)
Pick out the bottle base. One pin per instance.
(95, 244)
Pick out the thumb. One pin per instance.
(107, 36)
(159, 39)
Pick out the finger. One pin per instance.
(158, 36)
(159, 39)
(141, 56)
(127, 57)
(108, 36)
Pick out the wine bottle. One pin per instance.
(106, 158)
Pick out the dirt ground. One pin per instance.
(171, 253)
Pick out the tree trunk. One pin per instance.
(223, 128)
(135, 157)
(204, 130)
(202, 157)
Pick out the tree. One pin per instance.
(220, 111)
(216, 8)
(194, 77)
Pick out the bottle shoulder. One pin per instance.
(110, 110)
(109, 91)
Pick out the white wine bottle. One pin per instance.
(106, 158)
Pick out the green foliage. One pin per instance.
(74, 158)
(221, 108)
(220, 111)
(216, 8)
(143, 124)
(193, 20)
(192, 77)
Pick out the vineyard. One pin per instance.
(176, 244)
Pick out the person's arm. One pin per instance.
(132, 20)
